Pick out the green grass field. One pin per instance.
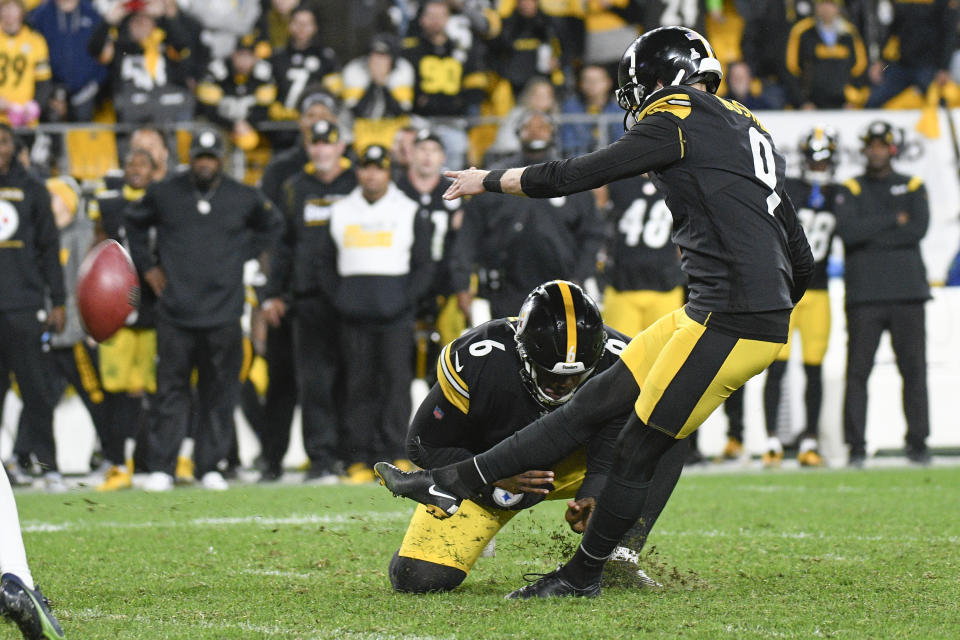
(837, 554)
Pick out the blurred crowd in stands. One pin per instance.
(247, 65)
(329, 98)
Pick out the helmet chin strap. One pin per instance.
(677, 80)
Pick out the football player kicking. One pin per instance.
(491, 382)
(20, 599)
(747, 261)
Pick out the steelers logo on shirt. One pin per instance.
(9, 220)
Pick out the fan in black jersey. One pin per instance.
(814, 194)
(689, 13)
(492, 381)
(237, 92)
(745, 256)
(303, 62)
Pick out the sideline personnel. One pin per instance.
(207, 225)
(881, 219)
(30, 268)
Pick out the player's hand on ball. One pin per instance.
(528, 482)
(579, 512)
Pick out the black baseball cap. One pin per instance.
(879, 130)
(375, 154)
(324, 131)
(206, 142)
(424, 135)
(384, 43)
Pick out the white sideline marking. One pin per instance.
(338, 519)
(801, 535)
(274, 573)
(264, 630)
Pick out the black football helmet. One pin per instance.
(820, 147)
(560, 339)
(669, 56)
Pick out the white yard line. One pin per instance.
(802, 535)
(274, 573)
(264, 630)
(360, 517)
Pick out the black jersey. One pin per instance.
(29, 243)
(227, 97)
(294, 70)
(448, 79)
(482, 399)
(441, 213)
(742, 247)
(667, 13)
(305, 201)
(641, 256)
(816, 208)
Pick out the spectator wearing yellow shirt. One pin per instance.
(24, 68)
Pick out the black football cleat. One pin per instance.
(419, 486)
(551, 585)
(29, 609)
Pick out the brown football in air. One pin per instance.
(108, 289)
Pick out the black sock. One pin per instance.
(813, 398)
(583, 569)
(772, 393)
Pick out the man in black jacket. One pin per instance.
(306, 199)
(207, 225)
(881, 219)
(30, 264)
(281, 396)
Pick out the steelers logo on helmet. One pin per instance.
(207, 139)
(560, 339)
(819, 147)
(668, 56)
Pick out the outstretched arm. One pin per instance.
(651, 144)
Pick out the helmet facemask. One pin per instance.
(554, 386)
(560, 339)
(819, 152)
